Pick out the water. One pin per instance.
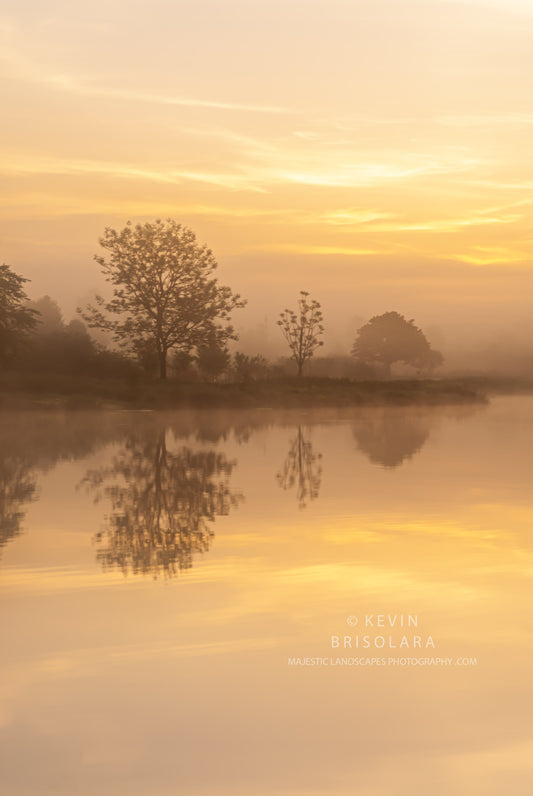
(180, 592)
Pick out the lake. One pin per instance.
(303, 602)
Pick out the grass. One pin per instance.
(37, 390)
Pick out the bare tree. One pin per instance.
(302, 329)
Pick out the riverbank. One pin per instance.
(63, 392)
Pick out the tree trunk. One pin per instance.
(162, 363)
(300, 366)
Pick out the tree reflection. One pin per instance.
(31, 443)
(391, 435)
(163, 502)
(302, 468)
(18, 486)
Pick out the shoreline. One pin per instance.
(289, 393)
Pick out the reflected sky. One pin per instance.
(121, 684)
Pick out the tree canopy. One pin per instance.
(164, 292)
(16, 319)
(390, 338)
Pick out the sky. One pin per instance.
(373, 152)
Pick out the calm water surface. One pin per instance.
(172, 585)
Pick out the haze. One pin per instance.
(373, 153)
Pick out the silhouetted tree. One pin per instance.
(302, 468)
(182, 366)
(164, 293)
(212, 359)
(247, 368)
(302, 329)
(390, 338)
(50, 319)
(16, 319)
(163, 504)
(57, 347)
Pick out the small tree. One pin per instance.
(182, 366)
(390, 338)
(50, 319)
(212, 359)
(302, 329)
(164, 293)
(246, 368)
(16, 319)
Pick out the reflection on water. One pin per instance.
(18, 486)
(163, 503)
(391, 435)
(302, 468)
(117, 685)
(32, 443)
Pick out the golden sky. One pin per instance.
(375, 152)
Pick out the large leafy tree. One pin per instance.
(302, 329)
(390, 338)
(164, 292)
(16, 318)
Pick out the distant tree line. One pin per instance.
(169, 315)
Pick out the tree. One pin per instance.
(390, 338)
(16, 319)
(302, 329)
(164, 293)
(50, 319)
(59, 347)
(212, 359)
(248, 368)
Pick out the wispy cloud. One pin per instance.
(487, 120)
(103, 92)
(39, 204)
(49, 166)
(446, 225)
(350, 174)
(261, 175)
(492, 255)
(349, 217)
(377, 221)
(24, 68)
(303, 248)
